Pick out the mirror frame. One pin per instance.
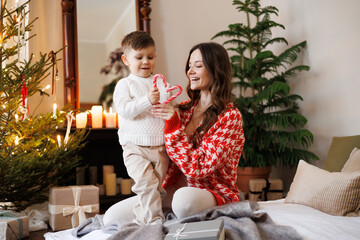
(70, 41)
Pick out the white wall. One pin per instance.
(92, 58)
(329, 89)
(48, 30)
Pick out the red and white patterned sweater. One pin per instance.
(211, 166)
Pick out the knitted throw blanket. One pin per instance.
(240, 222)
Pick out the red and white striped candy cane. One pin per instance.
(167, 89)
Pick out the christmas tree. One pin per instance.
(33, 154)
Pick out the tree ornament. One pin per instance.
(25, 105)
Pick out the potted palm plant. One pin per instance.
(273, 127)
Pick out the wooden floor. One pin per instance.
(38, 235)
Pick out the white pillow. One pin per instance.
(336, 193)
(353, 163)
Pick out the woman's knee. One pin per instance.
(188, 201)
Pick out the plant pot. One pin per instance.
(245, 174)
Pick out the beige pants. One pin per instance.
(147, 166)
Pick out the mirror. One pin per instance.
(73, 47)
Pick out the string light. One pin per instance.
(54, 110)
(59, 140)
(16, 140)
(46, 88)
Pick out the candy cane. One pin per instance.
(173, 96)
(159, 76)
(167, 89)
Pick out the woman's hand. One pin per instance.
(163, 111)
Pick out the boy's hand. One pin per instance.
(154, 95)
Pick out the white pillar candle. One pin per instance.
(81, 120)
(110, 119)
(110, 186)
(96, 116)
(80, 176)
(107, 169)
(93, 175)
(125, 186)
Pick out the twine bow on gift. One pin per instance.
(9, 215)
(77, 211)
(179, 231)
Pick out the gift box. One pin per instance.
(205, 230)
(69, 206)
(13, 226)
(265, 189)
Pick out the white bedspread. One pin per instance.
(309, 222)
(312, 223)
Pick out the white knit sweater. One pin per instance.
(136, 123)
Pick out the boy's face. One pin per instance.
(141, 62)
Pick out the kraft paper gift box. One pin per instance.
(13, 226)
(205, 230)
(71, 205)
(265, 189)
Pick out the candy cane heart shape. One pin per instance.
(167, 89)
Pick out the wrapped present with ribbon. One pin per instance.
(70, 206)
(265, 189)
(13, 225)
(204, 230)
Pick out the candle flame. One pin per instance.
(110, 110)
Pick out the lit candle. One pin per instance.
(110, 119)
(81, 120)
(110, 186)
(54, 110)
(96, 116)
(59, 140)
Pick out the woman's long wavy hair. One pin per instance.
(217, 63)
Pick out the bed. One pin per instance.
(321, 204)
(310, 223)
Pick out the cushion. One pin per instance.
(353, 163)
(335, 193)
(339, 151)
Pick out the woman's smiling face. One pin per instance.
(197, 73)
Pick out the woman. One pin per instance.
(203, 137)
